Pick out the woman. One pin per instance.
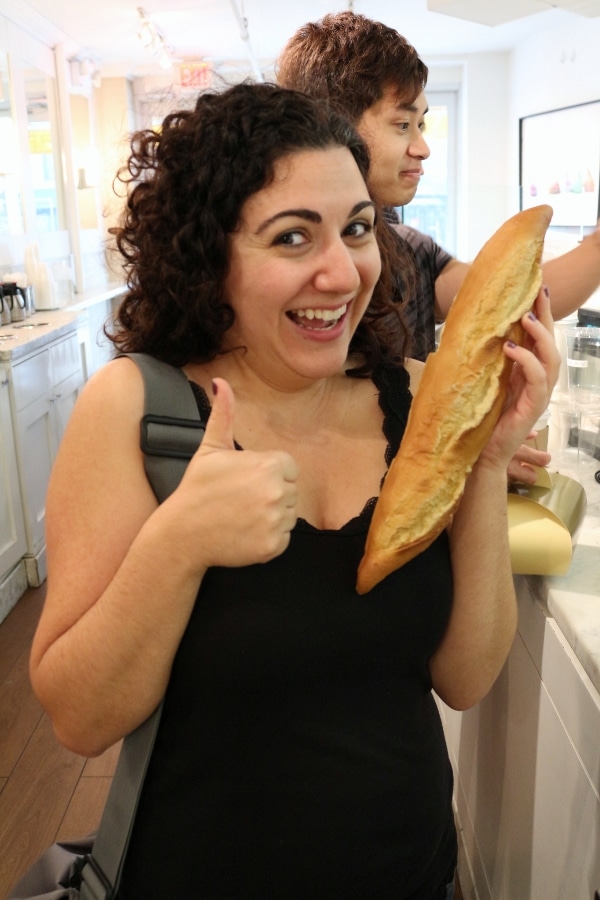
(300, 753)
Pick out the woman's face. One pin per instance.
(303, 265)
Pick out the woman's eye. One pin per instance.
(290, 239)
(358, 229)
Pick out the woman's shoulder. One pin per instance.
(113, 395)
(117, 370)
(117, 378)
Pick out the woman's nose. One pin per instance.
(337, 272)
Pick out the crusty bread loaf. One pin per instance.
(460, 397)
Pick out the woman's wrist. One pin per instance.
(489, 471)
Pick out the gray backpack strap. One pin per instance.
(102, 872)
(171, 429)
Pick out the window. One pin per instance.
(433, 211)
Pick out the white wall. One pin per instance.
(556, 67)
(485, 195)
(490, 194)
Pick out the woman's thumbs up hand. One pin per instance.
(241, 504)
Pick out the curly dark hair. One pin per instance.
(187, 184)
(351, 60)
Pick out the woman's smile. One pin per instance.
(315, 319)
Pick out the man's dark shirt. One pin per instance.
(419, 312)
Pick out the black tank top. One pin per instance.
(300, 754)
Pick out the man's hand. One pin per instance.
(520, 467)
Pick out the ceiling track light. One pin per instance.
(152, 40)
(85, 71)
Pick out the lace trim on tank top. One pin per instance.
(394, 401)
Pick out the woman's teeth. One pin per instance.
(324, 315)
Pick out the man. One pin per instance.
(377, 78)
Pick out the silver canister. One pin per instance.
(18, 298)
(5, 308)
(29, 300)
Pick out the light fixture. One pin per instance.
(164, 60)
(145, 34)
(85, 72)
(152, 40)
(245, 36)
(82, 184)
(86, 168)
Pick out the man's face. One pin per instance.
(393, 131)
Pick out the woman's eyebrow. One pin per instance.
(362, 205)
(308, 214)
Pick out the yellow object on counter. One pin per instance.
(543, 521)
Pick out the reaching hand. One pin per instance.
(520, 468)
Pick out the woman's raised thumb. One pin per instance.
(219, 428)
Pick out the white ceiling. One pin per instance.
(105, 30)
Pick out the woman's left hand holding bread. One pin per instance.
(532, 380)
(484, 615)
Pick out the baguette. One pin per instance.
(460, 397)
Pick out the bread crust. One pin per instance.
(460, 397)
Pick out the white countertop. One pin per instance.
(573, 600)
(96, 295)
(21, 338)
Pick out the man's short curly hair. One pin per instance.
(187, 183)
(351, 60)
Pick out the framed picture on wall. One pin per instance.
(560, 163)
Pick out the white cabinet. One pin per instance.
(45, 388)
(12, 527)
(527, 762)
(96, 349)
(42, 370)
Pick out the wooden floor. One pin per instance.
(46, 792)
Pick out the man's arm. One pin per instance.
(446, 286)
(570, 278)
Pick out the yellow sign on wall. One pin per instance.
(40, 140)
